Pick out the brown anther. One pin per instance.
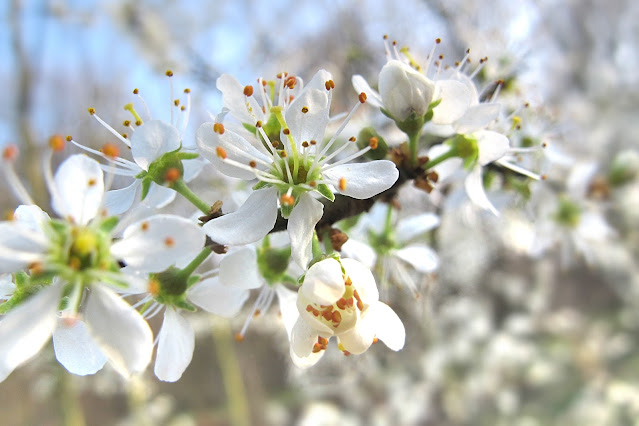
(57, 143)
(218, 128)
(257, 313)
(282, 154)
(169, 73)
(373, 142)
(154, 287)
(441, 57)
(92, 182)
(290, 82)
(346, 353)
(500, 82)
(187, 90)
(352, 139)
(316, 348)
(126, 123)
(169, 241)
(342, 184)
(526, 105)
(327, 315)
(362, 97)
(304, 109)
(330, 84)
(312, 184)
(313, 142)
(111, 150)
(286, 131)
(433, 176)
(10, 152)
(136, 91)
(239, 337)
(91, 111)
(438, 40)
(309, 308)
(36, 268)
(221, 152)
(348, 281)
(75, 263)
(258, 124)
(287, 200)
(172, 175)
(176, 102)
(336, 318)
(275, 144)
(182, 108)
(544, 144)
(252, 164)
(341, 303)
(248, 90)
(394, 42)
(544, 177)
(138, 123)
(69, 138)
(69, 321)
(305, 144)
(385, 36)
(125, 136)
(145, 226)
(375, 340)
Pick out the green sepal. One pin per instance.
(286, 210)
(429, 114)
(287, 279)
(412, 125)
(249, 127)
(465, 147)
(192, 280)
(159, 168)
(187, 155)
(363, 140)
(146, 185)
(325, 191)
(21, 279)
(109, 224)
(183, 304)
(261, 184)
(18, 297)
(386, 113)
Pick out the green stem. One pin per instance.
(191, 267)
(180, 187)
(237, 402)
(328, 245)
(437, 160)
(413, 144)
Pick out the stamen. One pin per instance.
(56, 143)
(218, 128)
(9, 156)
(109, 128)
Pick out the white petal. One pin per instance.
(324, 283)
(301, 224)
(413, 226)
(404, 91)
(311, 125)
(303, 338)
(255, 218)
(594, 228)
(212, 296)
(319, 80)
(362, 279)
(455, 100)
(477, 117)
(388, 327)
(359, 251)
(154, 244)
(152, 140)
(474, 185)
(119, 330)
(580, 178)
(79, 189)
(491, 145)
(117, 201)
(7, 287)
(239, 269)
(159, 196)
(421, 257)
(288, 307)
(26, 329)
(192, 168)
(361, 85)
(236, 148)
(20, 246)
(243, 108)
(358, 339)
(75, 349)
(176, 342)
(31, 217)
(364, 180)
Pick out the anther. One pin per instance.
(187, 90)
(218, 128)
(304, 109)
(342, 184)
(126, 123)
(221, 152)
(252, 164)
(290, 82)
(56, 143)
(91, 111)
(182, 108)
(154, 287)
(305, 144)
(287, 200)
(239, 337)
(438, 40)
(373, 142)
(248, 90)
(91, 182)
(286, 132)
(385, 36)
(352, 139)
(362, 97)
(176, 102)
(313, 142)
(169, 73)
(330, 84)
(69, 138)
(145, 226)
(10, 153)
(138, 123)
(169, 242)
(136, 91)
(258, 124)
(110, 150)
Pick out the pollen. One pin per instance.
(287, 200)
(221, 152)
(126, 123)
(56, 142)
(342, 184)
(362, 97)
(10, 153)
(169, 73)
(172, 175)
(145, 226)
(373, 142)
(304, 109)
(110, 150)
(169, 241)
(352, 139)
(92, 182)
(187, 90)
(218, 128)
(136, 91)
(69, 138)
(248, 90)
(290, 82)
(286, 131)
(330, 84)
(91, 111)
(176, 102)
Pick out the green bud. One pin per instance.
(624, 168)
(365, 138)
(273, 262)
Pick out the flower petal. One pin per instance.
(26, 329)
(477, 117)
(212, 296)
(307, 361)
(491, 145)
(303, 338)
(358, 339)
(20, 246)
(301, 224)
(119, 330)
(455, 100)
(238, 269)
(235, 147)
(474, 185)
(152, 140)
(359, 251)
(413, 226)
(75, 349)
(154, 244)
(117, 201)
(254, 219)
(387, 325)
(79, 187)
(404, 91)
(324, 283)
(364, 180)
(362, 279)
(287, 300)
(159, 196)
(31, 217)
(192, 168)
(420, 256)
(176, 342)
(244, 108)
(310, 125)
(361, 85)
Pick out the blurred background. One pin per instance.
(502, 334)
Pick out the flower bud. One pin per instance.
(404, 91)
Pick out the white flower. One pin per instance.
(339, 298)
(79, 253)
(289, 170)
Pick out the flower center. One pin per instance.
(342, 315)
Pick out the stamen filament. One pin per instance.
(112, 130)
